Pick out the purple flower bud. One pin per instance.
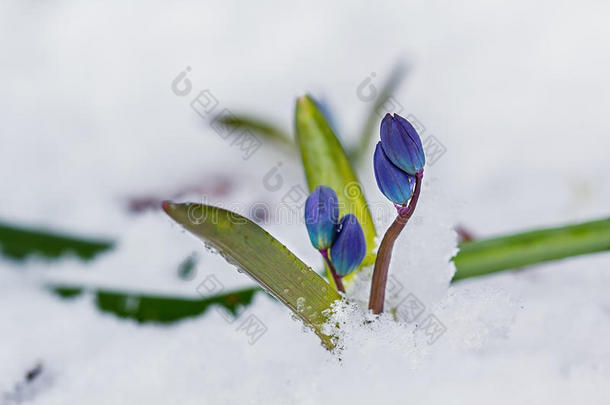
(349, 249)
(401, 144)
(395, 184)
(321, 215)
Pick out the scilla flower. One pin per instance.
(349, 249)
(321, 216)
(394, 183)
(401, 144)
(345, 239)
(399, 169)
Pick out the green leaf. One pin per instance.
(475, 258)
(18, 243)
(326, 163)
(480, 257)
(244, 244)
(373, 118)
(268, 130)
(157, 308)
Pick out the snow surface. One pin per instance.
(516, 91)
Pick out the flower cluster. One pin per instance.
(344, 238)
(399, 168)
(398, 160)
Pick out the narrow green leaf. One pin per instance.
(158, 308)
(480, 257)
(373, 118)
(18, 243)
(476, 258)
(268, 130)
(243, 243)
(326, 163)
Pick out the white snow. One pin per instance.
(516, 91)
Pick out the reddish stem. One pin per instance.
(463, 233)
(336, 277)
(384, 254)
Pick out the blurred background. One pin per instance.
(99, 124)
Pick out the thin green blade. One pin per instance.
(358, 153)
(326, 163)
(243, 243)
(260, 126)
(480, 257)
(150, 307)
(17, 243)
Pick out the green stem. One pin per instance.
(384, 254)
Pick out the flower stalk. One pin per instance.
(333, 272)
(384, 254)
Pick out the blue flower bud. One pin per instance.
(349, 249)
(395, 184)
(321, 215)
(401, 144)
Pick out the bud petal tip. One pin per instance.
(321, 215)
(402, 144)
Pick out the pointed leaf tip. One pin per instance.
(167, 206)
